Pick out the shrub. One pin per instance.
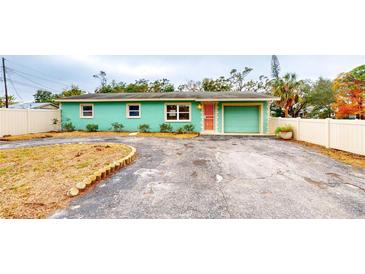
(165, 127)
(283, 128)
(144, 128)
(92, 127)
(180, 130)
(117, 126)
(189, 128)
(68, 126)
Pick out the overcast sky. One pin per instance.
(56, 72)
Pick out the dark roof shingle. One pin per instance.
(168, 95)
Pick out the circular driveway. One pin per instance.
(220, 177)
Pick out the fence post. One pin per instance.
(28, 120)
(298, 129)
(1, 123)
(328, 130)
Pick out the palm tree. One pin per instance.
(275, 66)
(287, 88)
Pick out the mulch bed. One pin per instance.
(349, 158)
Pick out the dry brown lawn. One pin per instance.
(339, 155)
(90, 134)
(34, 181)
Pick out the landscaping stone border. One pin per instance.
(103, 173)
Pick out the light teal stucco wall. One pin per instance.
(152, 113)
(264, 109)
(106, 113)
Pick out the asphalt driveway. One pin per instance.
(220, 177)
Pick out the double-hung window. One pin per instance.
(87, 111)
(133, 111)
(178, 112)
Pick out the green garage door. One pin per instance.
(243, 119)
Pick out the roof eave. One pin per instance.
(169, 99)
(237, 99)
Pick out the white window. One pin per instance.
(133, 110)
(178, 112)
(87, 111)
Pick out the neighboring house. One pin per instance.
(34, 106)
(209, 112)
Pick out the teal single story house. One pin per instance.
(208, 112)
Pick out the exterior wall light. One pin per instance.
(200, 106)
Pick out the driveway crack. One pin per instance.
(359, 187)
(225, 201)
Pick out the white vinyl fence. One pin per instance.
(347, 135)
(23, 121)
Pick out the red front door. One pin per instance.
(208, 116)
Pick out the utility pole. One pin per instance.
(6, 88)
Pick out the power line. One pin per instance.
(16, 92)
(34, 82)
(35, 76)
(39, 72)
(27, 84)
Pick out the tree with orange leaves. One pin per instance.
(350, 93)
